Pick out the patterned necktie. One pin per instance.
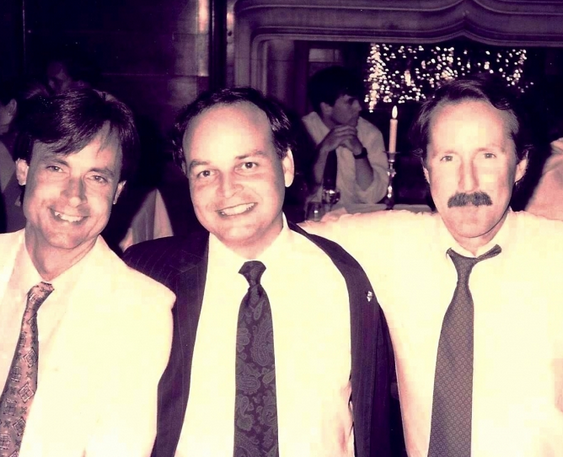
(21, 383)
(256, 417)
(453, 384)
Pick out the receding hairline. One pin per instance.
(219, 105)
(508, 115)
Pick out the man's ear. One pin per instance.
(21, 171)
(118, 191)
(12, 107)
(521, 168)
(425, 170)
(326, 109)
(288, 167)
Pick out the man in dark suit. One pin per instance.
(326, 389)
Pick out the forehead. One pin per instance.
(105, 145)
(475, 118)
(228, 127)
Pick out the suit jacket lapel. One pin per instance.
(372, 357)
(189, 267)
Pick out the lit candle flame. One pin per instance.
(393, 130)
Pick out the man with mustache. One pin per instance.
(302, 365)
(472, 292)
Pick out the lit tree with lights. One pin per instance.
(401, 73)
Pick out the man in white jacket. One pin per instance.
(80, 377)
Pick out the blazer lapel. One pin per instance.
(372, 359)
(190, 269)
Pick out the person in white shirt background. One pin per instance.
(474, 146)
(335, 124)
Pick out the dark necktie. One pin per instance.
(329, 174)
(21, 383)
(256, 417)
(450, 434)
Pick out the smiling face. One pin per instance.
(237, 180)
(68, 198)
(472, 167)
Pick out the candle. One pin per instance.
(393, 130)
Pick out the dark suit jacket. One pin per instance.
(181, 265)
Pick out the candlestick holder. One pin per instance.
(391, 172)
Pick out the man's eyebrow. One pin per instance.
(197, 163)
(53, 156)
(251, 154)
(104, 171)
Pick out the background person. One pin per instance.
(335, 124)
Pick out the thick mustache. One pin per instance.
(476, 199)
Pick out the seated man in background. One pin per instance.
(336, 125)
(307, 351)
(11, 217)
(472, 293)
(81, 376)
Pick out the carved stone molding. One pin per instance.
(496, 22)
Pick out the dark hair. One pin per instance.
(282, 133)
(77, 62)
(68, 122)
(484, 87)
(328, 84)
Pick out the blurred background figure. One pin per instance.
(12, 106)
(350, 153)
(547, 197)
(70, 68)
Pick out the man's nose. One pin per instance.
(75, 191)
(229, 185)
(357, 106)
(468, 181)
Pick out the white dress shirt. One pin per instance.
(12, 306)
(104, 341)
(372, 139)
(311, 318)
(518, 300)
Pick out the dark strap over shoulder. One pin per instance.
(377, 421)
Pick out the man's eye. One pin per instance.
(446, 159)
(489, 155)
(249, 165)
(100, 179)
(54, 168)
(203, 174)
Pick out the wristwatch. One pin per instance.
(361, 155)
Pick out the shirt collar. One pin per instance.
(223, 258)
(26, 275)
(447, 241)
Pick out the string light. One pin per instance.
(401, 73)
